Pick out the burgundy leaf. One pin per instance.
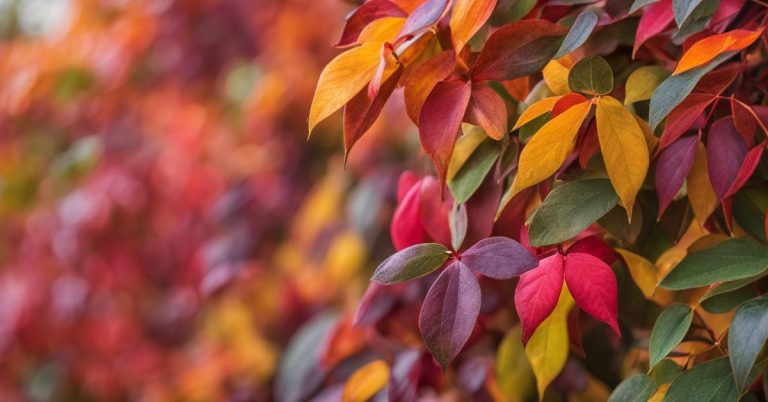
(499, 258)
(672, 168)
(518, 49)
(488, 110)
(435, 212)
(481, 209)
(744, 121)
(377, 301)
(748, 166)
(682, 117)
(593, 286)
(449, 312)
(537, 293)
(406, 228)
(370, 11)
(725, 152)
(440, 121)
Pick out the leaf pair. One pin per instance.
(452, 304)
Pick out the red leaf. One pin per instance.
(672, 168)
(435, 211)
(407, 180)
(654, 20)
(361, 112)
(406, 228)
(488, 110)
(440, 121)
(744, 121)
(518, 49)
(537, 293)
(423, 78)
(683, 116)
(565, 102)
(593, 286)
(499, 258)
(595, 247)
(748, 166)
(589, 145)
(725, 152)
(449, 312)
(365, 14)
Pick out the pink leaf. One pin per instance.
(537, 293)
(655, 19)
(593, 286)
(499, 258)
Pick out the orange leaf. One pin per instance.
(535, 110)
(467, 18)
(703, 51)
(364, 383)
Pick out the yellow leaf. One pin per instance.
(467, 18)
(513, 372)
(346, 255)
(381, 30)
(660, 393)
(537, 109)
(465, 146)
(643, 271)
(700, 192)
(366, 382)
(549, 147)
(642, 82)
(556, 74)
(650, 140)
(547, 350)
(624, 149)
(342, 79)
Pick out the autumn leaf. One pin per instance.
(672, 168)
(593, 286)
(488, 110)
(499, 258)
(705, 50)
(467, 18)
(624, 149)
(366, 381)
(701, 195)
(535, 110)
(537, 293)
(364, 15)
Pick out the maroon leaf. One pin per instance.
(593, 286)
(406, 228)
(537, 293)
(596, 247)
(435, 212)
(748, 166)
(682, 117)
(672, 168)
(499, 258)
(488, 110)
(481, 209)
(361, 112)
(744, 121)
(518, 49)
(440, 121)
(365, 14)
(449, 312)
(725, 152)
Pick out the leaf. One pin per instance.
(361, 112)
(705, 50)
(555, 74)
(637, 388)
(547, 349)
(682, 117)
(672, 168)
(365, 14)
(725, 152)
(748, 166)
(449, 312)
(642, 82)
(420, 83)
(465, 148)
(593, 286)
(435, 210)
(405, 228)
(710, 381)
(440, 120)
(342, 79)
(746, 337)
(701, 195)
(488, 110)
(655, 19)
(423, 17)
(469, 178)
(684, 10)
(413, 262)
(467, 18)
(513, 372)
(404, 375)
(624, 149)
(366, 381)
(518, 49)
(536, 110)
(591, 75)
(638, 4)
(499, 258)
(382, 30)
(730, 260)
(643, 272)
(676, 88)
(458, 225)
(537, 293)
(570, 208)
(669, 330)
(549, 147)
(578, 34)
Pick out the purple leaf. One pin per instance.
(404, 376)
(424, 16)
(499, 258)
(672, 168)
(449, 312)
(725, 152)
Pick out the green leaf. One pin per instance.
(730, 260)
(637, 4)
(676, 88)
(578, 34)
(591, 75)
(637, 388)
(746, 337)
(669, 330)
(458, 225)
(711, 381)
(410, 263)
(529, 129)
(665, 371)
(690, 11)
(471, 175)
(570, 208)
(726, 302)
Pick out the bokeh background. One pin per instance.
(165, 226)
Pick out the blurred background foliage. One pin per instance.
(165, 226)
